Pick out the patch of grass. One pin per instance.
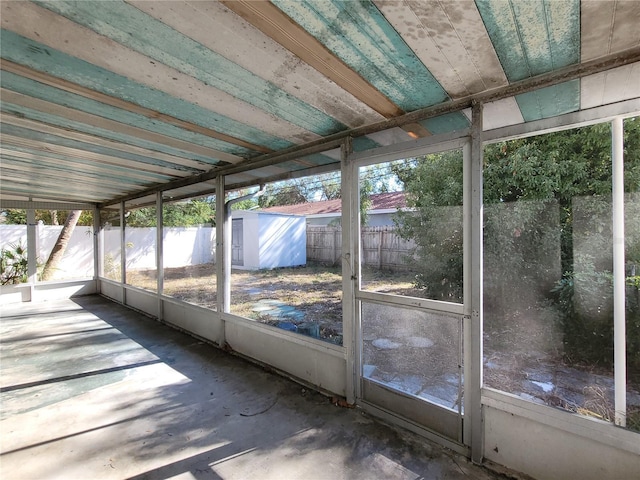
(633, 418)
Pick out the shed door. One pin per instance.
(237, 255)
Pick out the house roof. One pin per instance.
(109, 101)
(379, 201)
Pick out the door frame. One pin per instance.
(353, 295)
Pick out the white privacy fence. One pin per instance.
(182, 246)
(77, 261)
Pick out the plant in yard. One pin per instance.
(13, 264)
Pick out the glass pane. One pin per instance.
(110, 231)
(281, 275)
(632, 255)
(415, 352)
(548, 312)
(65, 241)
(140, 247)
(13, 247)
(189, 251)
(411, 238)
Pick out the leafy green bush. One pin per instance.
(13, 264)
(586, 302)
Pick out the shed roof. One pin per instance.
(110, 100)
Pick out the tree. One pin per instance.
(290, 192)
(176, 214)
(535, 190)
(330, 187)
(189, 213)
(61, 245)
(433, 220)
(15, 216)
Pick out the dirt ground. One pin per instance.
(308, 300)
(285, 297)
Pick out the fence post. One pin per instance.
(380, 239)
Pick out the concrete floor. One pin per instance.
(92, 390)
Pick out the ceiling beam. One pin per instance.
(24, 204)
(103, 142)
(562, 75)
(71, 87)
(274, 23)
(96, 121)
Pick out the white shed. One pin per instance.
(268, 240)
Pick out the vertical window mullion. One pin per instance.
(620, 379)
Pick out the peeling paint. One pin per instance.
(16, 48)
(71, 125)
(535, 37)
(358, 34)
(48, 93)
(133, 28)
(550, 101)
(65, 142)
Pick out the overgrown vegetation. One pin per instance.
(13, 264)
(547, 236)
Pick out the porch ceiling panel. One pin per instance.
(105, 100)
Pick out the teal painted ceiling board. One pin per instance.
(27, 190)
(358, 34)
(135, 29)
(38, 136)
(532, 37)
(82, 164)
(20, 174)
(61, 122)
(34, 178)
(76, 189)
(35, 55)
(550, 101)
(450, 122)
(361, 144)
(125, 95)
(32, 88)
(18, 162)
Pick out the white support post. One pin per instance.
(223, 250)
(350, 275)
(473, 382)
(466, 275)
(97, 258)
(619, 345)
(160, 254)
(32, 250)
(123, 253)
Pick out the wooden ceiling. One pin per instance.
(106, 100)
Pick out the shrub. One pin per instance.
(13, 264)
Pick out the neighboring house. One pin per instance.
(383, 206)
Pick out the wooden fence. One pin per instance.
(381, 247)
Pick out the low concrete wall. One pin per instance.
(200, 321)
(141, 300)
(312, 361)
(41, 292)
(14, 294)
(550, 444)
(112, 290)
(323, 366)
